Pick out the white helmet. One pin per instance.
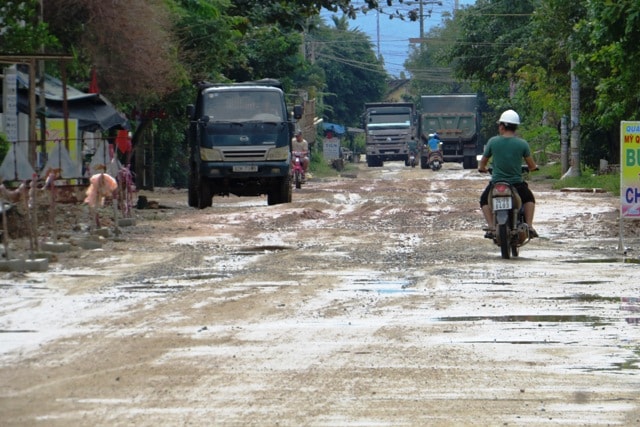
(430, 135)
(510, 117)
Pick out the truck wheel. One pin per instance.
(281, 193)
(374, 161)
(469, 162)
(288, 191)
(192, 191)
(204, 194)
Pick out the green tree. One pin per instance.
(608, 58)
(21, 31)
(429, 62)
(209, 39)
(354, 75)
(148, 54)
(488, 53)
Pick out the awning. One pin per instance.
(93, 111)
(337, 129)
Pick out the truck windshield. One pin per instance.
(244, 106)
(395, 121)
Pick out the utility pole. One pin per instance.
(421, 20)
(421, 13)
(378, 29)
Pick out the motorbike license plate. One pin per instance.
(245, 168)
(501, 203)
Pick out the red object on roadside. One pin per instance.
(123, 141)
(93, 86)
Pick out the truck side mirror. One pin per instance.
(297, 112)
(191, 111)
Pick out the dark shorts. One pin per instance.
(523, 190)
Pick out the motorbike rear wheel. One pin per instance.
(505, 244)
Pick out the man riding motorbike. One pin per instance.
(507, 152)
(434, 141)
(298, 143)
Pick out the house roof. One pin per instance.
(92, 110)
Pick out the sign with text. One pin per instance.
(55, 136)
(331, 148)
(630, 169)
(10, 104)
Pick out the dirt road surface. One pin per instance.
(370, 300)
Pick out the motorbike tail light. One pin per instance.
(501, 188)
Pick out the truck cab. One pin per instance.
(390, 128)
(239, 139)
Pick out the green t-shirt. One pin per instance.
(507, 157)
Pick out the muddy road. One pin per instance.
(372, 299)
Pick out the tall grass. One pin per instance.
(587, 179)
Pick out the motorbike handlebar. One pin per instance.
(525, 169)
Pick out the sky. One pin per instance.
(390, 37)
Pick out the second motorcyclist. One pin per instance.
(298, 143)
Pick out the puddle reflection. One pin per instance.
(543, 318)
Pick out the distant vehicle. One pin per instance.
(456, 120)
(240, 142)
(389, 128)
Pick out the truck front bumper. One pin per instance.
(246, 170)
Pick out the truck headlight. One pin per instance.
(278, 153)
(210, 154)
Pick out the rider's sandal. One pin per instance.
(490, 233)
(532, 233)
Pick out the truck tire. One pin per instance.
(424, 163)
(469, 162)
(281, 193)
(192, 190)
(204, 194)
(374, 161)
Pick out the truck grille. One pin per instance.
(244, 155)
(384, 139)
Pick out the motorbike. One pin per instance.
(297, 169)
(413, 153)
(412, 159)
(435, 160)
(511, 230)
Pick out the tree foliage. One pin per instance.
(518, 54)
(21, 31)
(354, 75)
(208, 38)
(431, 70)
(135, 63)
(607, 53)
